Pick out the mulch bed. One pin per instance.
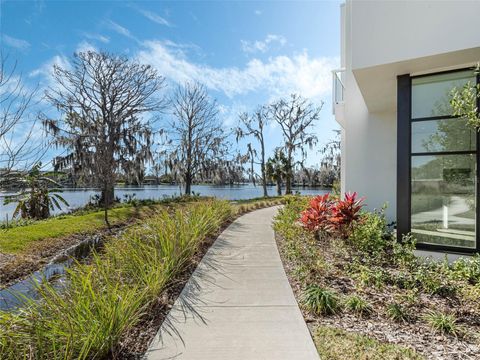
(415, 334)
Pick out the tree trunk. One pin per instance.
(262, 168)
(188, 184)
(107, 196)
(264, 181)
(288, 183)
(106, 199)
(279, 187)
(288, 180)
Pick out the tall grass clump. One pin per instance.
(100, 301)
(320, 301)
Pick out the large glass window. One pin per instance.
(430, 94)
(442, 135)
(443, 199)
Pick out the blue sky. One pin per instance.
(246, 53)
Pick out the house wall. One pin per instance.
(368, 140)
(391, 31)
(380, 40)
(369, 151)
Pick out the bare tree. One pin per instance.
(196, 137)
(105, 100)
(254, 125)
(296, 116)
(17, 121)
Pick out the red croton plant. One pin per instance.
(325, 214)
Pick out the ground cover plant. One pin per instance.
(127, 289)
(388, 303)
(102, 300)
(27, 245)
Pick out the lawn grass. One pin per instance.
(19, 239)
(337, 344)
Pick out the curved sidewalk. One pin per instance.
(238, 304)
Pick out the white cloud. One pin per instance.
(229, 114)
(45, 72)
(154, 17)
(263, 45)
(15, 43)
(278, 76)
(85, 46)
(119, 29)
(98, 37)
(258, 12)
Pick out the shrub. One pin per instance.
(442, 323)
(398, 313)
(320, 301)
(371, 276)
(466, 269)
(344, 213)
(368, 235)
(333, 215)
(358, 305)
(316, 217)
(403, 251)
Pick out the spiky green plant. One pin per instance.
(320, 301)
(398, 313)
(358, 305)
(442, 323)
(101, 300)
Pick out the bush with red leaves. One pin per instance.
(344, 213)
(315, 218)
(327, 215)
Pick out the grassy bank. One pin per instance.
(20, 238)
(368, 297)
(106, 298)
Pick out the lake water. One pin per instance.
(81, 196)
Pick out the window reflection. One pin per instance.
(443, 199)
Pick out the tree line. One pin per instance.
(112, 126)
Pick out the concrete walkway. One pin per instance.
(238, 303)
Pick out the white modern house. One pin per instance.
(400, 142)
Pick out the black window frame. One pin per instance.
(404, 158)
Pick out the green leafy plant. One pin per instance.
(369, 234)
(464, 102)
(371, 276)
(403, 251)
(37, 197)
(320, 301)
(358, 305)
(466, 269)
(442, 323)
(102, 300)
(397, 312)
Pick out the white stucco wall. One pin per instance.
(384, 32)
(383, 39)
(369, 151)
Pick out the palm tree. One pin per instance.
(35, 199)
(276, 169)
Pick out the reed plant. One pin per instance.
(85, 316)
